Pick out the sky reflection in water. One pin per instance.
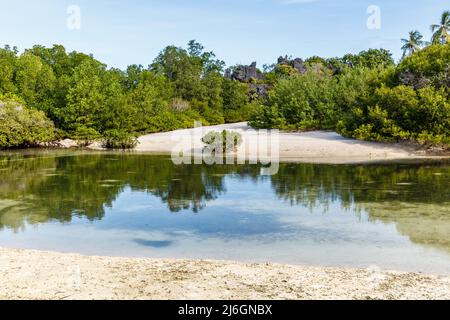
(393, 216)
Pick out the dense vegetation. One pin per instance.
(20, 126)
(48, 94)
(87, 101)
(409, 102)
(367, 96)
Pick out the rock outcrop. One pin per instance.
(254, 78)
(296, 63)
(244, 73)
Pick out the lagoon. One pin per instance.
(388, 215)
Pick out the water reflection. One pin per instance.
(35, 190)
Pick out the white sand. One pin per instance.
(314, 146)
(26, 274)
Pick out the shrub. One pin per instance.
(300, 102)
(428, 62)
(21, 126)
(117, 139)
(225, 141)
(85, 136)
(267, 117)
(400, 113)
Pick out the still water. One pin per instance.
(394, 216)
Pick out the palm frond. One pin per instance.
(434, 27)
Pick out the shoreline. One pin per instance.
(312, 147)
(30, 274)
(321, 147)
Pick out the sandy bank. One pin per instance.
(26, 274)
(315, 146)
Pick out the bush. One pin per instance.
(401, 113)
(117, 139)
(423, 67)
(21, 126)
(244, 113)
(267, 117)
(85, 136)
(300, 102)
(225, 141)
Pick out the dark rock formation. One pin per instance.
(244, 73)
(253, 77)
(296, 63)
(300, 66)
(417, 81)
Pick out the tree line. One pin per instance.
(81, 98)
(47, 94)
(368, 96)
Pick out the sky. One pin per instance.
(120, 33)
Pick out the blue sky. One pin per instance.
(120, 33)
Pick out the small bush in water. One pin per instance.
(227, 140)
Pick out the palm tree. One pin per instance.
(441, 31)
(413, 43)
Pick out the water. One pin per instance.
(392, 216)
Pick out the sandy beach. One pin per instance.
(314, 146)
(26, 274)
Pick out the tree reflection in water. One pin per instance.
(35, 189)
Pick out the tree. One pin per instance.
(86, 97)
(441, 30)
(371, 58)
(133, 76)
(8, 60)
(302, 102)
(148, 99)
(429, 66)
(196, 78)
(235, 100)
(35, 81)
(413, 43)
(184, 72)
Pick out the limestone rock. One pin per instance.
(244, 73)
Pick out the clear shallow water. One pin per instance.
(394, 216)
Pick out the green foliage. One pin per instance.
(362, 95)
(8, 60)
(85, 135)
(418, 110)
(366, 97)
(21, 126)
(267, 117)
(224, 141)
(316, 60)
(299, 102)
(430, 66)
(117, 139)
(85, 100)
(372, 58)
(236, 104)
